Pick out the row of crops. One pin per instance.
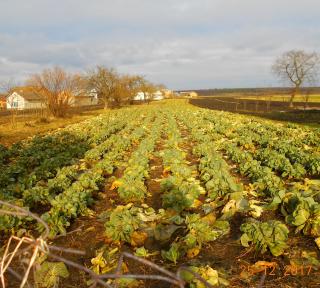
(224, 178)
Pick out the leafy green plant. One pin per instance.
(302, 212)
(180, 193)
(203, 229)
(50, 274)
(214, 172)
(173, 254)
(270, 235)
(143, 252)
(105, 261)
(207, 273)
(124, 222)
(76, 198)
(11, 223)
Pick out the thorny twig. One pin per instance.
(39, 246)
(24, 212)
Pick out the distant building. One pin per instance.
(85, 98)
(189, 94)
(157, 95)
(139, 97)
(167, 93)
(25, 98)
(142, 96)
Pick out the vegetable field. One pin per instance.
(232, 199)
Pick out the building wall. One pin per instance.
(34, 105)
(15, 101)
(139, 96)
(157, 95)
(190, 94)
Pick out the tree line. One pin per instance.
(297, 68)
(57, 87)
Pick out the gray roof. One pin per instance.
(29, 95)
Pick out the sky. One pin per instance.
(189, 44)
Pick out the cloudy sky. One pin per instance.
(185, 44)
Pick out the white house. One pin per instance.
(139, 96)
(24, 99)
(158, 95)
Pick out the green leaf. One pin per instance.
(173, 254)
(164, 232)
(245, 240)
(271, 234)
(50, 273)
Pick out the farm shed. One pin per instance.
(189, 94)
(84, 98)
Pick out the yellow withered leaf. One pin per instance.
(115, 184)
(125, 268)
(318, 242)
(193, 252)
(138, 238)
(166, 171)
(196, 203)
(210, 218)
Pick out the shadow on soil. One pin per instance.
(278, 111)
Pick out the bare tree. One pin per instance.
(8, 87)
(298, 68)
(114, 88)
(147, 88)
(129, 86)
(57, 87)
(106, 82)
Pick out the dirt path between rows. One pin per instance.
(155, 174)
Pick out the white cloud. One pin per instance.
(183, 44)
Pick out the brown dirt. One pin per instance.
(155, 173)
(187, 145)
(88, 235)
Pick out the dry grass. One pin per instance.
(26, 126)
